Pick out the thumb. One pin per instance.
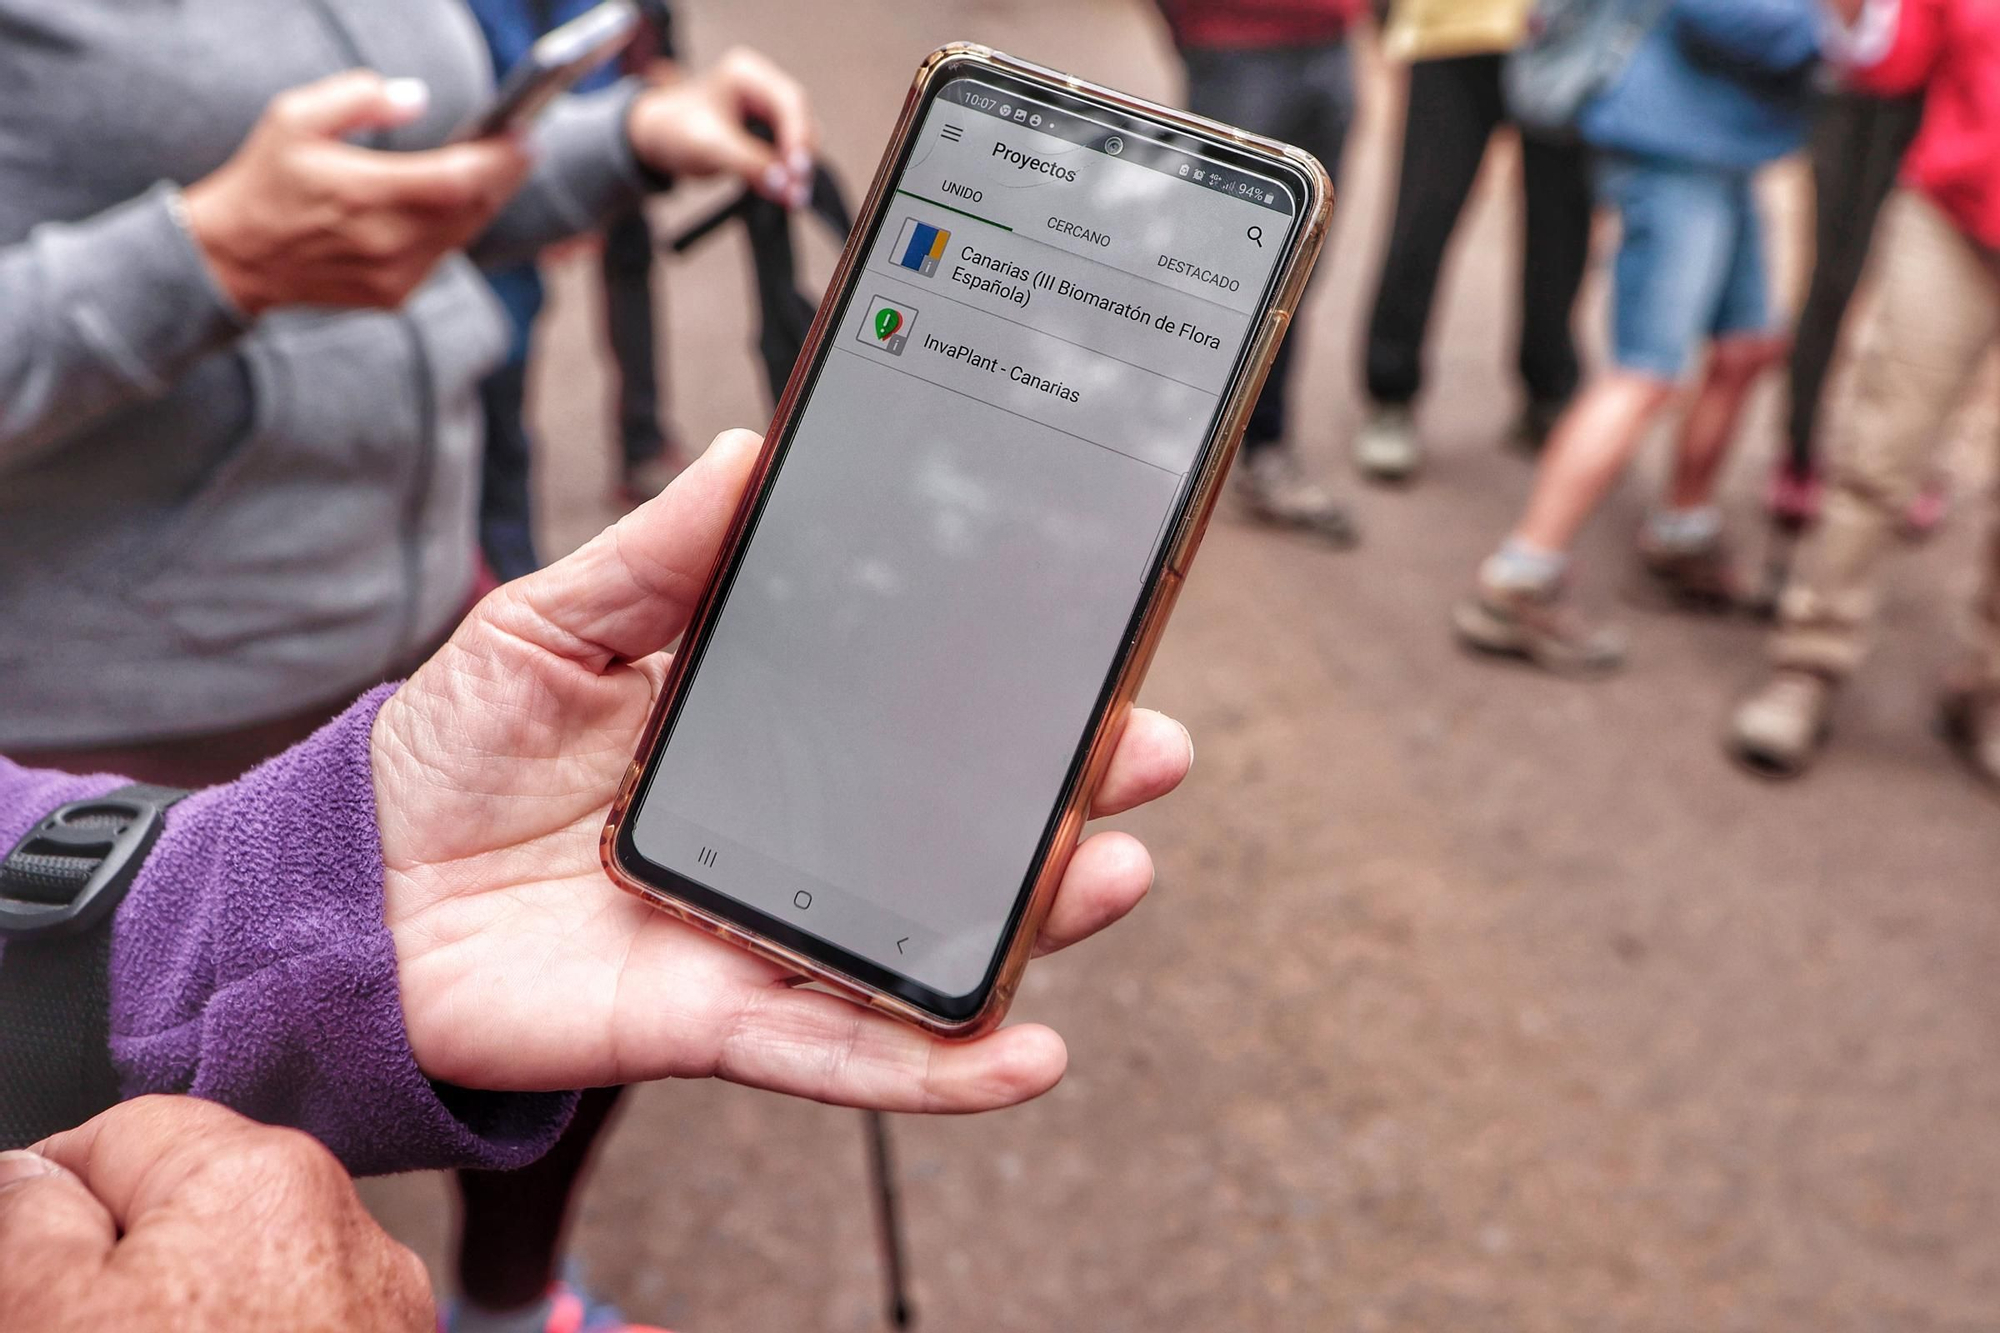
(630, 591)
(343, 104)
(51, 1225)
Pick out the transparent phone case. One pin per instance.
(1217, 454)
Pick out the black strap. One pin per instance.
(70, 871)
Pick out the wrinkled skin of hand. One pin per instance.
(523, 968)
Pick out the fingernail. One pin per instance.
(411, 95)
(1189, 737)
(775, 181)
(801, 163)
(21, 1165)
(801, 196)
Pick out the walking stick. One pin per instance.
(787, 316)
(889, 1221)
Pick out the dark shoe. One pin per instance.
(1530, 435)
(1778, 730)
(1537, 626)
(1969, 719)
(1703, 578)
(1276, 493)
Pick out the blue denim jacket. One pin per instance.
(1716, 83)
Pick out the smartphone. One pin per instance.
(989, 471)
(552, 66)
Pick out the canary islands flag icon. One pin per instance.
(921, 246)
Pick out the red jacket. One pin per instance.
(1208, 25)
(1949, 49)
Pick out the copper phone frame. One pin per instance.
(1124, 676)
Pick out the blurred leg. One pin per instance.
(1556, 183)
(1325, 113)
(506, 516)
(1858, 143)
(514, 1222)
(1589, 451)
(1305, 97)
(1937, 317)
(629, 317)
(1734, 367)
(1982, 634)
(1450, 112)
(1744, 349)
(506, 505)
(1969, 707)
(1679, 235)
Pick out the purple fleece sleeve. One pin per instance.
(250, 965)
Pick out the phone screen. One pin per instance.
(916, 638)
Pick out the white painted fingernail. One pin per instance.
(775, 181)
(801, 163)
(1190, 741)
(801, 196)
(411, 95)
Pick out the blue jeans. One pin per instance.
(1690, 265)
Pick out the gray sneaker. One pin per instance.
(1702, 578)
(1386, 448)
(1537, 625)
(1277, 493)
(1778, 730)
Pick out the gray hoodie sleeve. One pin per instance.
(98, 315)
(585, 175)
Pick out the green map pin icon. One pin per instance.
(887, 321)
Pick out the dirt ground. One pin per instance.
(1467, 1000)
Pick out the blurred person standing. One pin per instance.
(241, 330)
(648, 455)
(1937, 319)
(506, 504)
(1454, 105)
(1712, 91)
(1281, 68)
(506, 508)
(1858, 141)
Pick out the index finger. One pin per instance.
(457, 176)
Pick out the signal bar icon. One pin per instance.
(707, 856)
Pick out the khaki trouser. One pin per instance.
(1937, 315)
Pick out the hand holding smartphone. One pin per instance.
(551, 67)
(989, 473)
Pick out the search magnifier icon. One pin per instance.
(1256, 234)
